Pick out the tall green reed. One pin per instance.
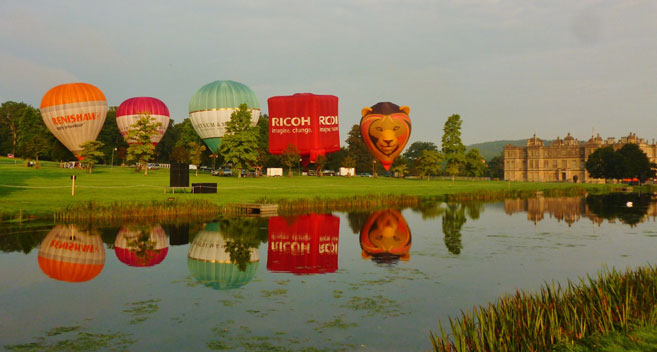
(613, 301)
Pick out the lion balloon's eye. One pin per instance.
(396, 128)
(379, 237)
(379, 129)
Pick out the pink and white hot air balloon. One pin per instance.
(129, 111)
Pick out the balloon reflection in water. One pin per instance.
(386, 237)
(306, 244)
(69, 254)
(141, 245)
(211, 260)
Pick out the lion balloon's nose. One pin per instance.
(388, 141)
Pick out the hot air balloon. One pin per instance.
(209, 261)
(385, 128)
(130, 110)
(308, 121)
(141, 245)
(305, 244)
(212, 105)
(69, 254)
(386, 237)
(74, 113)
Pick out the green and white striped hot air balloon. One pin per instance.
(211, 106)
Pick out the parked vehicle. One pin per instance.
(365, 174)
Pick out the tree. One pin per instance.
(400, 166)
(636, 163)
(264, 158)
(475, 165)
(334, 160)
(91, 153)
(452, 147)
(358, 150)
(196, 154)
(110, 135)
(168, 142)
(142, 149)
(289, 157)
(179, 154)
(37, 146)
(11, 113)
(453, 220)
(496, 167)
(428, 163)
(415, 149)
(320, 162)
(240, 143)
(604, 163)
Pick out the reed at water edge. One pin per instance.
(91, 211)
(612, 302)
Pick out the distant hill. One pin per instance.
(490, 150)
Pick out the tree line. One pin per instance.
(23, 134)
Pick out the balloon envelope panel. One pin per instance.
(308, 121)
(306, 244)
(69, 254)
(131, 110)
(211, 106)
(74, 113)
(135, 246)
(385, 128)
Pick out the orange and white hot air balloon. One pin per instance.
(74, 113)
(69, 254)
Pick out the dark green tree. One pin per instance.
(240, 143)
(142, 150)
(179, 154)
(496, 167)
(636, 163)
(265, 159)
(334, 160)
(92, 153)
(290, 157)
(605, 163)
(415, 150)
(428, 163)
(452, 148)
(110, 136)
(400, 166)
(195, 154)
(453, 221)
(165, 147)
(358, 150)
(475, 165)
(11, 114)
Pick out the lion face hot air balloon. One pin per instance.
(211, 106)
(74, 113)
(385, 128)
(69, 254)
(130, 110)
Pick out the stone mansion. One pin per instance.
(563, 159)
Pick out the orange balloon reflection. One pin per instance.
(70, 254)
(386, 237)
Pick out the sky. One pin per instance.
(509, 68)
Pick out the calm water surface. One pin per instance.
(370, 281)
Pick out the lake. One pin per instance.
(368, 281)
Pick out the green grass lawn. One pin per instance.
(44, 191)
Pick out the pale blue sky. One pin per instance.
(509, 68)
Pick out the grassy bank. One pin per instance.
(613, 309)
(42, 192)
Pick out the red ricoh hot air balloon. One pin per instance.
(130, 110)
(305, 244)
(385, 128)
(74, 113)
(308, 121)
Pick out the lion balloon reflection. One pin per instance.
(386, 237)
